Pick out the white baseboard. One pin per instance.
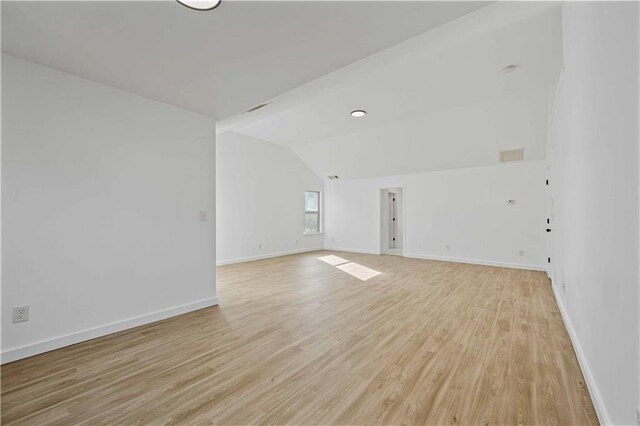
(350, 250)
(601, 411)
(479, 262)
(266, 256)
(84, 335)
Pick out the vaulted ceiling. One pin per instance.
(438, 101)
(216, 63)
(429, 74)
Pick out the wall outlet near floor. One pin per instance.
(21, 314)
(259, 245)
(521, 252)
(448, 247)
(333, 240)
(564, 287)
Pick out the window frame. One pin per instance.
(319, 212)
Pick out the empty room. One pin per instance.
(320, 212)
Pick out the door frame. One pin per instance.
(403, 217)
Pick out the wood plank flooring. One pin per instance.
(298, 341)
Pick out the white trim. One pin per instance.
(478, 262)
(320, 212)
(350, 250)
(598, 403)
(15, 354)
(404, 220)
(266, 256)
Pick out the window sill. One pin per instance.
(312, 233)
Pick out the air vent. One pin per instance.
(255, 108)
(333, 177)
(512, 155)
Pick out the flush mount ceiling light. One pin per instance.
(358, 113)
(200, 4)
(509, 68)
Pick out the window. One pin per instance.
(311, 212)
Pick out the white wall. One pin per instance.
(595, 195)
(260, 190)
(465, 209)
(101, 193)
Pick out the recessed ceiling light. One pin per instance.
(358, 113)
(200, 4)
(509, 68)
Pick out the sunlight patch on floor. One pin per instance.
(333, 260)
(354, 269)
(360, 272)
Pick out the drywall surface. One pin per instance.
(101, 196)
(461, 215)
(449, 137)
(260, 206)
(594, 177)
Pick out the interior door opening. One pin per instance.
(392, 221)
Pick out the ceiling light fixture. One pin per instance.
(200, 4)
(358, 113)
(509, 68)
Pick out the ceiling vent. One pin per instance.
(255, 108)
(333, 177)
(512, 155)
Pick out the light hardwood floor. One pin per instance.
(298, 341)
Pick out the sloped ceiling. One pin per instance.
(438, 101)
(216, 63)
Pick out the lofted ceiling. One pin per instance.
(437, 101)
(216, 63)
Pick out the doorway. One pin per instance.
(392, 221)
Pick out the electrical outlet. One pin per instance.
(203, 215)
(296, 241)
(564, 287)
(521, 252)
(448, 247)
(259, 245)
(21, 314)
(333, 240)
